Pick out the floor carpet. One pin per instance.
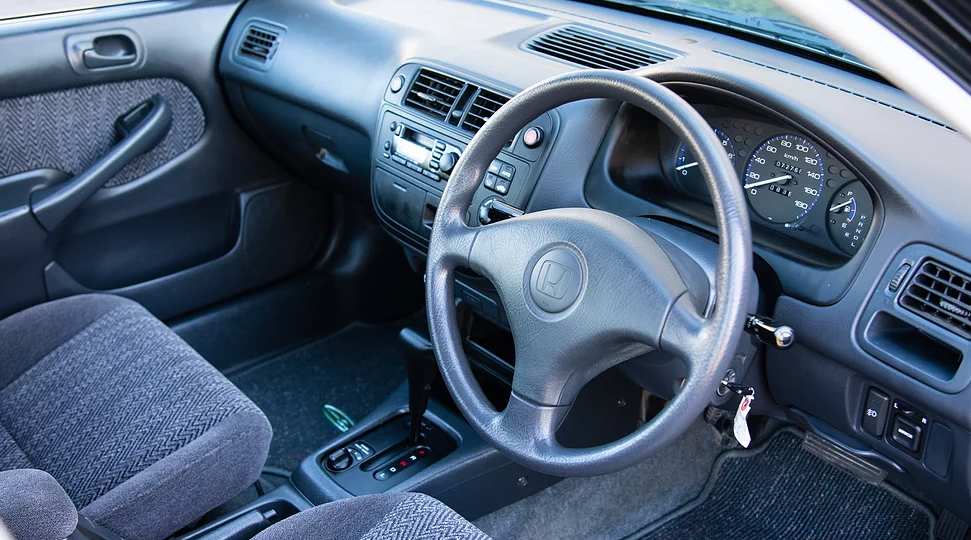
(353, 370)
(781, 491)
(614, 505)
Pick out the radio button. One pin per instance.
(399, 160)
(433, 165)
(507, 171)
(430, 175)
(439, 145)
(436, 154)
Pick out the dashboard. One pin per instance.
(859, 207)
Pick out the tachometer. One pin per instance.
(686, 166)
(784, 178)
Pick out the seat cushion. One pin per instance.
(34, 507)
(143, 434)
(387, 516)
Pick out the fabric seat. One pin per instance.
(388, 516)
(142, 433)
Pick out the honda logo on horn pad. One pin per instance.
(556, 280)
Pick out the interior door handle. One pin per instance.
(106, 50)
(142, 129)
(95, 60)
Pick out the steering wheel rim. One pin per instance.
(564, 347)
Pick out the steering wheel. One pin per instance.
(585, 290)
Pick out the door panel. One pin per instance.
(202, 216)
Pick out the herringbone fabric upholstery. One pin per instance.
(421, 517)
(386, 516)
(11, 456)
(116, 398)
(69, 130)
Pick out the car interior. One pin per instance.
(511, 269)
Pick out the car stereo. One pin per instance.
(421, 152)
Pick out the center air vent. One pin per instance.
(941, 295)
(597, 50)
(485, 104)
(434, 93)
(259, 44)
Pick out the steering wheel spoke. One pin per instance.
(686, 334)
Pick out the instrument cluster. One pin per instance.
(794, 186)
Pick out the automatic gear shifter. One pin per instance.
(422, 370)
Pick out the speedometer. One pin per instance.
(784, 178)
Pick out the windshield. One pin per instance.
(760, 17)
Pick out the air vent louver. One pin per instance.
(259, 43)
(485, 104)
(595, 50)
(434, 93)
(941, 295)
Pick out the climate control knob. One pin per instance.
(447, 162)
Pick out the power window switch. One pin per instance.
(906, 433)
(875, 412)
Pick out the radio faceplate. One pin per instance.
(421, 152)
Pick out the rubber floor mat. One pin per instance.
(781, 492)
(354, 370)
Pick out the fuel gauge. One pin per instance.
(850, 215)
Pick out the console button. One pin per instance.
(875, 412)
(906, 433)
(355, 453)
(494, 167)
(490, 181)
(397, 84)
(502, 187)
(532, 137)
(364, 447)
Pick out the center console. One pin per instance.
(428, 117)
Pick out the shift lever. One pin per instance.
(422, 370)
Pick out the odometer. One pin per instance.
(784, 178)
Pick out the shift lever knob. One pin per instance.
(422, 370)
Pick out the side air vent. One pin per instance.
(941, 295)
(434, 93)
(597, 50)
(485, 104)
(259, 44)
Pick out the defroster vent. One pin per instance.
(596, 50)
(434, 93)
(941, 295)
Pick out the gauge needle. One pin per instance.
(686, 166)
(769, 181)
(841, 205)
